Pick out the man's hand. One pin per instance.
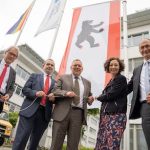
(70, 94)
(90, 100)
(148, 98)
(5, 97)
(51, 97)
(40, 94)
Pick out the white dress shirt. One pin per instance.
(4, 83)
(142, 83)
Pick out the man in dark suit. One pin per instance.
(36, 109)
(7, 75)
(140, 85)
(70, 111)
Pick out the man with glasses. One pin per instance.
(7, 75)
(73, 92)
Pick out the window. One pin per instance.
(135, 39)
(137, 139)
(91, 141)
(92, 131)
(22, 73)
(93, 121)
(18, 90)
(133, 63)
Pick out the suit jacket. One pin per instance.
(10, 85)
(35, 83)
(134, 85)
(114, 96)
(63, 104)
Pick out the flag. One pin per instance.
(19, 24)
(94, 37)
(52, 17)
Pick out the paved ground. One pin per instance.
(4, 148)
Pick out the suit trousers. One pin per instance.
(145, 114)
(71, 126)
(1, 106)
(33, 127)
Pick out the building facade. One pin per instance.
(29, 62)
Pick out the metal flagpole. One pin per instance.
(18, 37)
(56, 32)
(125, 50)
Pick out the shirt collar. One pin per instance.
(73, 76)
(45, 74)
(145, 61)
(3, 62)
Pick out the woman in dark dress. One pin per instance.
(113, 109)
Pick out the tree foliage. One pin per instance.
(93, 111)
(13, 116)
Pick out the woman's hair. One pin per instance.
(107, 64)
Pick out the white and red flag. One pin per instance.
(94, 37)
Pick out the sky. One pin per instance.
(10, 11)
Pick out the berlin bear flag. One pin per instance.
(94, 37)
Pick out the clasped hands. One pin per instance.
(70, 94)
(50, 96)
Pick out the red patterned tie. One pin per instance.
(3, 74)
(46, 88)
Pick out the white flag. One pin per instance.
(94, 37)
(52, 17)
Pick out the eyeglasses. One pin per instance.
(12, 54)
(77, 66)
(145, 46)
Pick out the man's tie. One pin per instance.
(3, 74)
(76, 89)
(46, 88)
(147, 77)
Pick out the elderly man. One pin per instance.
(36, 109)
(140, 85)
(7, 75)
(70, 109)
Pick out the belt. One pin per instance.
(77, 108)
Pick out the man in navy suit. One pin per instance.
(36, 109)
(7, 75)
(140, 85)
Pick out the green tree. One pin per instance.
(93, 111)
(13, 116)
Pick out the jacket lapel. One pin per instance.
(84, 83)
(41, 81)
(9, 78)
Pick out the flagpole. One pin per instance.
(56, 32)
(125, 50)
(20, 33)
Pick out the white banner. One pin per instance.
(52, 17)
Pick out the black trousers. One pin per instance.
(1, 106)
(32, 127)
(145, 114)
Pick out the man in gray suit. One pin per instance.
(70, 111)
(7, 75)
(36, 109)
(140, 85)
